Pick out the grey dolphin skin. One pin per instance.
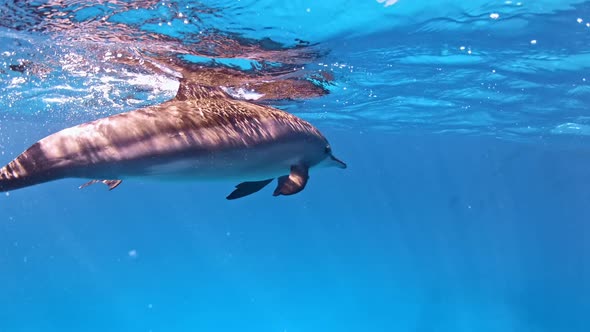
(201, 134)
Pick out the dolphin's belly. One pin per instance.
(247, 164)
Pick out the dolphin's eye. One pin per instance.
(328, 150)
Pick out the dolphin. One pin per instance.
(201, 134)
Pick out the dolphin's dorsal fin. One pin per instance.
(189, 90)
(294, 182)
(112, 184)
(248, 188)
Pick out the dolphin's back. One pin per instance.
(178, 127)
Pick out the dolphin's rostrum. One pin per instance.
(202, 133)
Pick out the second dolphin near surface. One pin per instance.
(202, 133)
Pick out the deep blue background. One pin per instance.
(420, 233)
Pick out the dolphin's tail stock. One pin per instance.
(14, 177)
(10, 180)
(26, 170)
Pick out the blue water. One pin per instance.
(465, 206)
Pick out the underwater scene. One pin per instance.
(295, 166)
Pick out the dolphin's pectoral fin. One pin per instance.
(294, 182)
(112, 184)
(248, 188)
